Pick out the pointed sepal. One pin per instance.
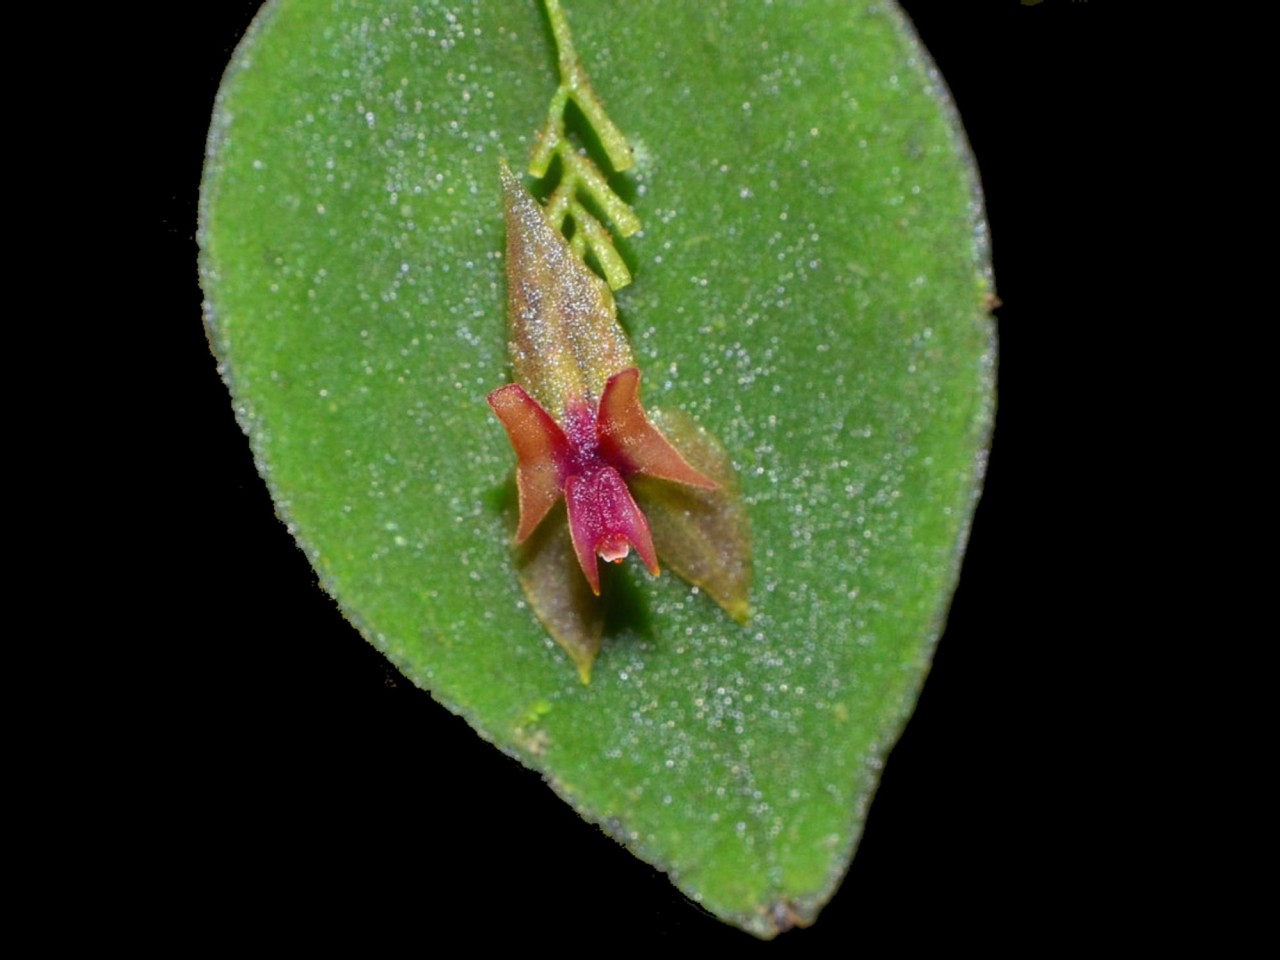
(565, 337)
(547, 568)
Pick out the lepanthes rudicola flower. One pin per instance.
(653, 482)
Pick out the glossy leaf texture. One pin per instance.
(809, 285)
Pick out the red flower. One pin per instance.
(579, 432)
(587, 461)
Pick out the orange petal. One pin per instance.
(541, 447)
(627, 438)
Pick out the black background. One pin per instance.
(306, 786)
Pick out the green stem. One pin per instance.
(575, 83)
(578, 172)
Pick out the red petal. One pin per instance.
(603, 519)
(541, 448)
(629, 441)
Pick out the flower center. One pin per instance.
(585, 458)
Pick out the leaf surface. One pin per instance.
(809, 284)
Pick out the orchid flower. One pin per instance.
(581, 434)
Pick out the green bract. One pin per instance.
(809, 284)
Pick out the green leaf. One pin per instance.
(809, 284)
